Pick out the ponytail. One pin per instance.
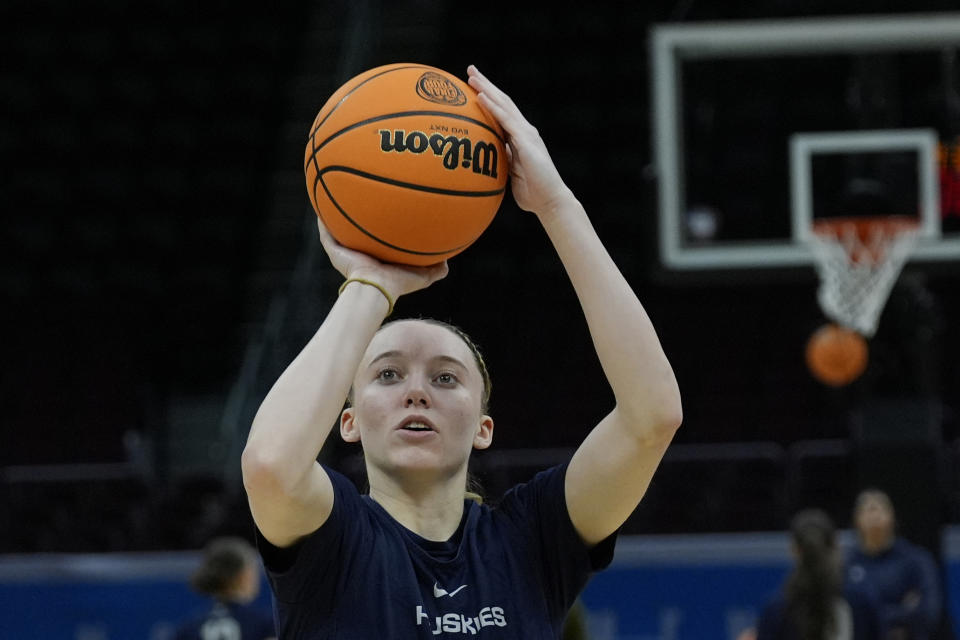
(814, 584)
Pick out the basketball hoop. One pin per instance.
(858, 260)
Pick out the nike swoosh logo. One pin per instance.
(439, 592)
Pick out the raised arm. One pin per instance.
(612, 468)
(290, 494)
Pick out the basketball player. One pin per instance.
(230, 575)
(904, 575)
(814, 602)
(414, 558)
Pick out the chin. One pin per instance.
(424, 463)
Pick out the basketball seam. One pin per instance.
(312, 138)
(383, 242)
(399, 114)
(406, 185)
(349, 93)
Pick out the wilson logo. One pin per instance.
(481, 157)
(435, 88)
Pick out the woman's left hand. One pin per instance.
(535, 182)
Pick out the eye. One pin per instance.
(446, 379)
(388, 374)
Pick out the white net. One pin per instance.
(858, 263)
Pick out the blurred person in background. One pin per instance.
(575, 625)
(230, 575)
(814, 603)
(904, 575)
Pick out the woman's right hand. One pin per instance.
(395, 278)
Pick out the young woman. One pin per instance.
(230, 575)
(904, 575)
(414, 559)
(814, 604)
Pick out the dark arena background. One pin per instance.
(162, 267)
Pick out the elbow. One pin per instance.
(671, 422)
(667, 421)
(262, 473)
(658, 421)
(672, 412)
(669, 416)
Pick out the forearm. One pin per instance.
(626, 343)
(298, 413)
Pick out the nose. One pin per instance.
(416, 396)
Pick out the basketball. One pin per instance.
(836, 356)
(403, 164)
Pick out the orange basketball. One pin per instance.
(836, 355)
(403, 164)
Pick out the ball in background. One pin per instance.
(403, 164)
(836, 356)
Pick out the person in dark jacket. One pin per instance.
(814, 603)
(904, 575)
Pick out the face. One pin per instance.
(417, 399)
(249, 583)
(874, 518)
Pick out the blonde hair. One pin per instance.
(467, 340)
(474, 491)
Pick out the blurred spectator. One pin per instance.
(230, 575)
(904, 575)
(575, 624)
(814, 604)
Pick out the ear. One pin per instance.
(484, 435)
(349, 429)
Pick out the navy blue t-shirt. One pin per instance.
(228, 621)
(900, 570)
(509, 572)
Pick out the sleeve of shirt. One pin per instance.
(920, 591)
(311, 568)
(930, 604)
(565, 562)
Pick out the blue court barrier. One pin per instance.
(687, 587)
(116, 596)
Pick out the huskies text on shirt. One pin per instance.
(508, 572)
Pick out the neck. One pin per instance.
(876, 543)
(432, 509)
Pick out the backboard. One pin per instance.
(762, 127)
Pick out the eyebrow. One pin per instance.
(393, 354)
(385, 355)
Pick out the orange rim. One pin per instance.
(871, 233)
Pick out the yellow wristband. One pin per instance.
(372, 284)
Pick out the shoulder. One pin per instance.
(530, 505)
(546, 484)
(345, 518)
(919, 552)
(909, 553)
(903, 547)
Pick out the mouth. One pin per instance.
(416, 424)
